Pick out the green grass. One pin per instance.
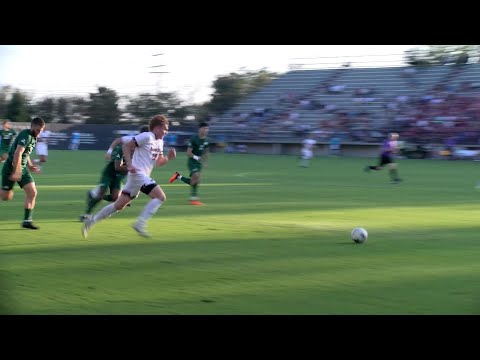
(273, 238)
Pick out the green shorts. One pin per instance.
(8, 184)
(194, 166)
(111, 180)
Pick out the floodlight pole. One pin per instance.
(158, 87)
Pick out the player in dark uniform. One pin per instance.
(389, 148)
(112, 176)
(17, 169)
(6, 137)
(197, 153)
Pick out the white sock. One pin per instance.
(95, 191)
(149, 210)
(104, 213)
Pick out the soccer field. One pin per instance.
(272, 238)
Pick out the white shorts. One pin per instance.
(307, 154)
(41, 149)
(135, 183)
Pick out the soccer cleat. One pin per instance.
(140, 230)
(195, 202)
(396, 181)
(29, 225)
(174, 177)
(86, 226)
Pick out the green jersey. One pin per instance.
(6, 137)
(28, 141)
(198, 145)
(117, 155)
(111, 178)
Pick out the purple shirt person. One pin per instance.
(386, 158)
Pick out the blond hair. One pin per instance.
(156, 121)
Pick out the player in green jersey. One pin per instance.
(197, 153)
(113, 175)
(6, 137)
(18, 167)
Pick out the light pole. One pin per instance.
(158, 88)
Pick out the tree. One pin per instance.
(146, 105)
(230, 89)
(103, 107)
(62, 109)
(44, 108)
(78, 109)
(5, 96)
(17, 107)
(442, 55)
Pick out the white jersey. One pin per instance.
(43, 136)
(308, 144)
(147, 151)
(126, 138)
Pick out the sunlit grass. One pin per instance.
(272, 238)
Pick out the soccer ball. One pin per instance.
(359, 235)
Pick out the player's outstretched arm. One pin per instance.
(114, 143)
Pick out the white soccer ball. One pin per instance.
(359, 235)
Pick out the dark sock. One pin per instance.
(108, 197)
(185, 180)
(91, 204)
(194, 190)
(27, 215)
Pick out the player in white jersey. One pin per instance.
(308, 145)
(147, 149)
(42, 148)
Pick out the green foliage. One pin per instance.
(46, 108)
(230, 89)
(146, 105)
(442, 55)
(103, 107)
(17, 108)
(62, 110)
(4, 91)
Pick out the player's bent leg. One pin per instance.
(158, 198)
(6, 195)
(30, 197)
(392, 168)
(195, 182)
